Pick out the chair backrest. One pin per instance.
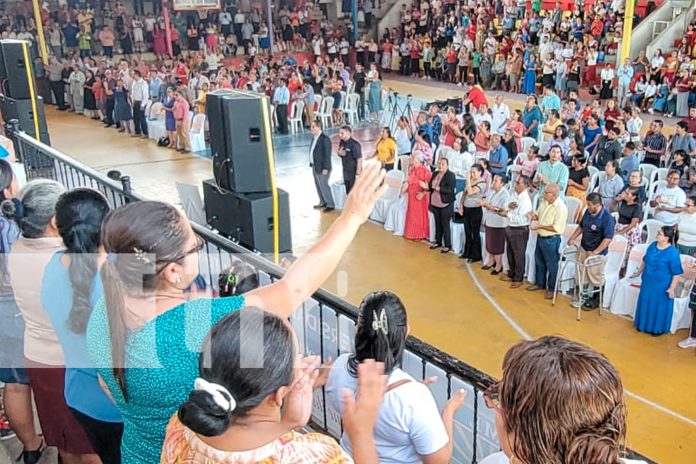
(644, 182)
(404, 162)
(344, 99)
(198, 123)
(572, 204)
(635, 257)
(602, 178)
(655, 186)
(647, 170)
(652, 226)
(662, 173)
(317, 101)
(297, 108)
(592, 170)
(327, 105)
(353, 102)
(543, 146)
(616, 254)
(594, 182)
(155, 110)
(394, 181)
(527, 142)
(570, 228)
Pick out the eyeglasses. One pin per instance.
(200, 244)
(492, 397)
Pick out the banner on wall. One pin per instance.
(186, 5)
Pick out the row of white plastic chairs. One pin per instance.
(349, 105)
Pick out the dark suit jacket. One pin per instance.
(321, 156)
(447, 186)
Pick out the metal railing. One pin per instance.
(324, 324)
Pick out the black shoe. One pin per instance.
(591, 304)
(486, 267)
(495, 272)
(319, 206)
(434, 247)
(462, 257)
(32, 457)
(445, 250)
(328, 209)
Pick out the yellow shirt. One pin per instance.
(200, 102)
(386, 150)
(554, 214)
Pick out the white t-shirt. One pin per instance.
(670, 198)
(409, 424)
(687, 229)
(500, 458)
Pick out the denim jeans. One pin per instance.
(546, 257)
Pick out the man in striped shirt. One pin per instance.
(654, 143)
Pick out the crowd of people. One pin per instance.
(130, 360)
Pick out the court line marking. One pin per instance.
(526, 336)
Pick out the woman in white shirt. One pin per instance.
(409, 428)
(686, 224)
(634, 124)
(650, 92)
(558, 401)
(403, 135)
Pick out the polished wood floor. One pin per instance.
(446, 306)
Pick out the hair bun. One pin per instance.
(203, 415)
(12, 209)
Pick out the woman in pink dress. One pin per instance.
(159, 44)
(417, 221)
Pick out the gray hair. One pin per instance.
(34, 207)
(419, 156)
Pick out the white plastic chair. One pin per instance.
(197, 133)
(624, 295)
(396, 216)
(647, 170)
(527, 143)
(338, 191)
(325, 113)
(681, 316)
(351, 111)
(344, 101)
(594, 182)
(404, 162)
(661, 174)
(295, 118)
(317, 103)
(394, 181)
(650, 227)
(156, 128)
(612, 267)
(592, 170)
(654, 186)
(457, 229)
(530, 260)
(572, 204)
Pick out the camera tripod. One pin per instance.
(396, 110)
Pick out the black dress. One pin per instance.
(127, 44)
(90, 101)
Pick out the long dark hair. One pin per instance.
(131, 235)
(242, 338)
(6, 177)
(79, 217)
(381, 332)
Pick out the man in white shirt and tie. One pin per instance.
(517, 232)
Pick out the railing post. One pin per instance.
(127, 188)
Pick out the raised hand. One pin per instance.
(368, 188)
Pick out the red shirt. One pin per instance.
(691, 122)
(477, 97)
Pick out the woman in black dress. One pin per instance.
(126, 43)
(90, 101)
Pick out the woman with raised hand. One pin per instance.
(558, 401)
(144, 336)
(410, 428)
(70, 289)
(249, 369)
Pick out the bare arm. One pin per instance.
(311, 270)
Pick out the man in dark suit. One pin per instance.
(320, 160)
(350, 152)
(442, 198)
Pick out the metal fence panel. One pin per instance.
(486, 436)
(464, 429)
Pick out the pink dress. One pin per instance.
(417, 220)
(158, 43)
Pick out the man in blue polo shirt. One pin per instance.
(498, 156)
(597, 229)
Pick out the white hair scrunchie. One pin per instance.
(220, 394)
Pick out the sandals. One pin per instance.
(33, 457)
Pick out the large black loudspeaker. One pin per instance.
(23, 111)
(248, 217)
(14, 66)
(240, 140)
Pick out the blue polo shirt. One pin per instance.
(596, 228)
(498, 155)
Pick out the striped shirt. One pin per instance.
(656, 142)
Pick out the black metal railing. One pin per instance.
(324, 324)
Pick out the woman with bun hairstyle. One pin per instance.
(70, 289)
(17, 394)
(145, 334)
(248, 371)
(558, 402)
(410, 428)
(34, 211)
